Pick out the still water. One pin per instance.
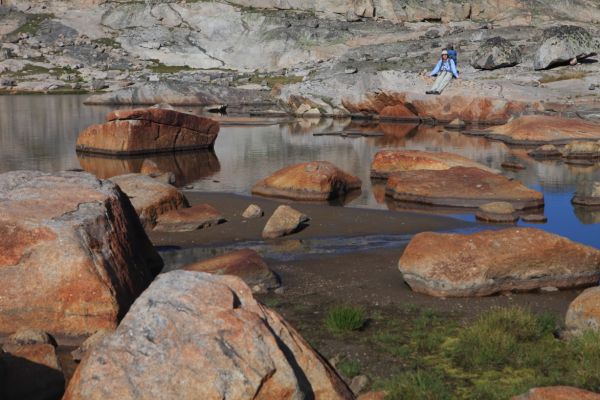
(39, 132)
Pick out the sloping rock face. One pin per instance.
(562, 44)
(558, 393)
(496, 53)
(317, 180)
(218, 342)
(460, 187)
(440, 108)
(246, 264)
(149, 197)
(152, 130)
(488, 262)
(387, 162)
(584, 311)
(73, 255)
(542, 129)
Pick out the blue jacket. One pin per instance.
(449, 66)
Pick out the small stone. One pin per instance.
(592, 87)
(499, 211)
(456, 124)
(512, 165)
(189, 219)
(549, 289)
(350, 70)
(545, 151)
(535, 218)
(253, 211)
(89, 343)
(284, 221)
(279, 290)
(359, 383)
(29, 336)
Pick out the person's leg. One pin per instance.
(437, 82)
(446, 78)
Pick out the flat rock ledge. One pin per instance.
(151, 130)
(217, 341)
(73, 254)
(464, 187)
(558, 393)
(488, 262)
(387, 162)
(312, 181)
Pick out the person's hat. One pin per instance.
(444, 52)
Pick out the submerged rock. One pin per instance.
(543, 129)
(584, 311)
(284, 221)
(149, 197)
(563, 43)
(189, 219)
(496, 52)
(460, 187)
(590, 196)
(488, 262)
(387, 162)
(317, 180)
(246, 264)
(497, 212)
(73, 255)
(558, 393)
(151, 130)
(217, 342)
(545, 151)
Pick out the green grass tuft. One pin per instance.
(348, 368)
(344, 319)
(418, 385)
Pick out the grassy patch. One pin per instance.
(418, 385)
(29, 69)
(33, 24)
(169, 69)
(107, 41)
(563, 76)
(344, 319)
(349, 368)
(272, 81)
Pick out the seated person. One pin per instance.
(445, 71)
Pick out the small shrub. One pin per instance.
(348, 368)
(419, 385)
(585, 355)
(344, 319)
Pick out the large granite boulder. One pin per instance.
(246, 264)
(317, 180)
(151, 130)
(203, 336)
(558, 393)
(588, 196)
(496, 52)
(73, 254)
(387, 162)
(561, 44)
(460, 187)
(584, 311)
(150, 197)
(544, 129)
(488, 262)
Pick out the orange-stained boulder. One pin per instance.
(189, 219)
(193, 335)
(584, 311)
(558, 393)
(488, 262)
(387, 162)
(151, 130)
(397, 112)
(246, 264)
(317, 180)
(150, 197)
(543, 129)
(460, 187)
(73, 254)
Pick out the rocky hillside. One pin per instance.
(262, 52)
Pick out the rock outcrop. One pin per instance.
(581, 151)
(561, 44)
(558, 393)
(460, 187)
(73, 255)
(496, 52)
(217, 341)
(284, 221)
(152, 130)
(543, 129)
(246, 264)
(315, 181)
(589, 196)
(584, 311)
(488, 262)
(149, 197)
(387, 162)
(500, 212)
(189, 219)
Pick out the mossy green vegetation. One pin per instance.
(563, 76)
(32, 25)
(349, 368)
(161, 68)
(107, 41)
(342, 319)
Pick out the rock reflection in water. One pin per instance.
(187, 166)
(587, 215)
